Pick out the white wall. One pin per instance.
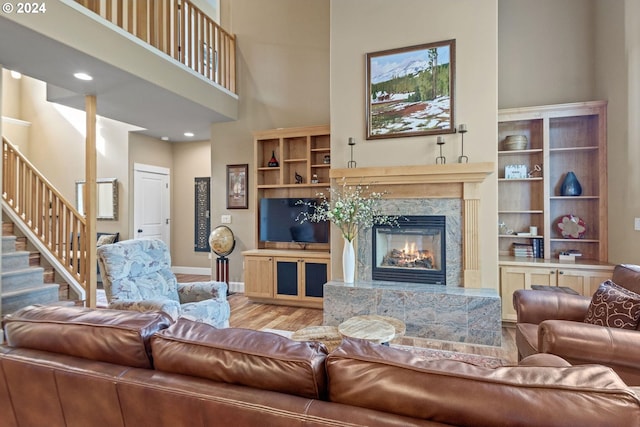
(361, 26)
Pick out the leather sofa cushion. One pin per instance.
(526, 339)
(627, 276)
(452, 392)
(241, 356)
(112, 336)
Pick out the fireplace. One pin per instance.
(413, 251)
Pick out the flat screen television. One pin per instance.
(279, 222)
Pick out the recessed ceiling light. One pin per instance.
(16, 75)
(189, 134)
(82, 76)
(165, 138)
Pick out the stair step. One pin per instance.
(8, 244)
(34, 259)
(42, 294)
(21, 279)
(15, 260)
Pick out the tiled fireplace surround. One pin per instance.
(461, 311)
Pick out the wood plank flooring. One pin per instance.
(250, 315)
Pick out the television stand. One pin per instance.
(286, 276)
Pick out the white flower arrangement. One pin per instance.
(350, 208)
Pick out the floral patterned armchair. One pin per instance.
(137, 275)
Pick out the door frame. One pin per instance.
(159, 170)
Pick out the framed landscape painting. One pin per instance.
(410, 90)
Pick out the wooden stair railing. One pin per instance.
(179, 29)
(55, 222)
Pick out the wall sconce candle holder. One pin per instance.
(462, 128)
(351, 163)
(440, 159)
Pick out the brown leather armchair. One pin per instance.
(551, 322)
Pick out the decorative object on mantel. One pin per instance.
(351, 163)
(462, 128)
(440, 159)
(351, 208)
(571, 227)
(273, 162)
(570, 186)
(299, 178)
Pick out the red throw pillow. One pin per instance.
(614, 306)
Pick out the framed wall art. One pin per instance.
(237, 178)
(410, 91)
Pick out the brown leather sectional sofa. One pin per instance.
(69, 366)
(553, 323)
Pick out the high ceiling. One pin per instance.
(160, 111)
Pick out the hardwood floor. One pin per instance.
(250, 315)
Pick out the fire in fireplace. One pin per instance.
(413, 251)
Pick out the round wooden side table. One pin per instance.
(328, 335)
(376, 331)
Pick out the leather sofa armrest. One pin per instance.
(168, 306)
(200, 291)
(581, 343)
(536, 306)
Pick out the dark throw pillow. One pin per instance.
(614, 306)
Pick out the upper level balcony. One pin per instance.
(162, 65)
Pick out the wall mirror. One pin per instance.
(107, 198)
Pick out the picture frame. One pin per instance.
(237, 188)
(515, 172)
(411, 91)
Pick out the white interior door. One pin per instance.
(151, 203)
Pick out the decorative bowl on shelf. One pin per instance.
(515, 142)
(571, 227)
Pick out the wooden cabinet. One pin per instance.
(286, 277)
(584, 278)
(286, 272)
(258, 276)
(561, 138)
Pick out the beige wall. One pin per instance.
(546, 52)
(283, 81)
(11, 100)
(361, 26)
(191, 160)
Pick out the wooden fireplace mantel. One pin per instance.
(457, 180)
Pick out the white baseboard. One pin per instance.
(237, 287)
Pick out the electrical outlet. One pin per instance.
(636, 224)
(225, 219)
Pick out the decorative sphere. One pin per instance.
(222, 240)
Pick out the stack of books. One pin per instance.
(523, 250)
(538, 248)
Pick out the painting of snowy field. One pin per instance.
(411, 91)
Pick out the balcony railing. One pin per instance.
(179, 29)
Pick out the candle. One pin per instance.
(462, 127)
(440, 140)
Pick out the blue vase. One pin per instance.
(570, 186)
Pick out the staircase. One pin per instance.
(24, 281)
